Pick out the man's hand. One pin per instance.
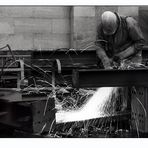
(108, 67)
(108, 64)
(116, 62)
(116, 59)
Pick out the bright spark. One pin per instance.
(92, 109)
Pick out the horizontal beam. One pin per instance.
(11, 70)
(68, 58)
(109, 78)
(16, 56)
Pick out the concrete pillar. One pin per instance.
(143, 21)
(129, 11)
(83, 26)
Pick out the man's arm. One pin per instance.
(103, 57)
(100, 51)
(136, 38)
(126, 51)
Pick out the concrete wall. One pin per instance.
(35, 27)
(50, 27)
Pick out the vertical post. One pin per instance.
(83, 26)
(75, 78)
(22, 69)
(20, 74)
(129, 101)
(53, 84)
(56, 66)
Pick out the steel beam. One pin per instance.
(86, 78)
(68, 58)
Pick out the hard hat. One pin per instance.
(109, 22)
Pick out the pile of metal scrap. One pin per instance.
(32, 109)
(23, 109)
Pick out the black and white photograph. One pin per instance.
(74, 71)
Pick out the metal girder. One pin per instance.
(68, 58)
(109, 78)
(71, 57)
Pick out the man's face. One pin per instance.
(109, 28)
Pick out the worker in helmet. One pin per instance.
(118, 38)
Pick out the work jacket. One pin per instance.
(126, 42)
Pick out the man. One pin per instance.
(118, 38)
